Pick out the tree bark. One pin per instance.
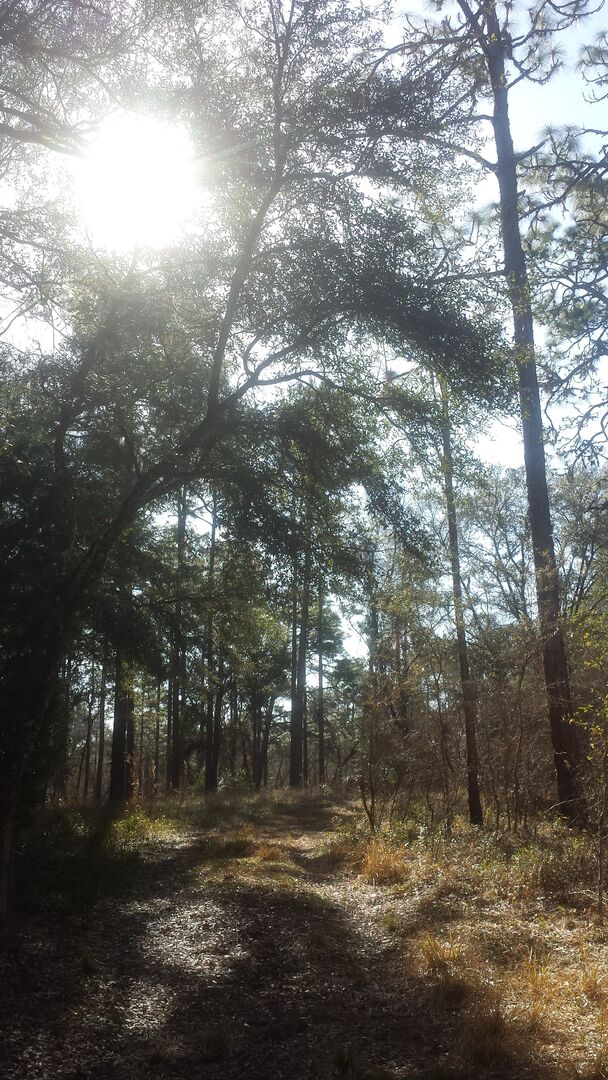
(320, 690)
(469, 699)
(60, 778)
(300, 699)
(130, 748)
(176, 648)
(87, 753)
(123, 717)
(266, 742)
(169, 735)
(233, 727)
(210, 764)
(157, 739)
(102, 725)
(215, 734)
(140, 770)
(295, 723)
(571, 803)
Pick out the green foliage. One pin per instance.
(135, 828)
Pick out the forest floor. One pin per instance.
(254, 947)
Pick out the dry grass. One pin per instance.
(441, 966)
(233, 844)
(597, 1070)
(382, 864)
(271, 853)
(485, 1036)
(502, 934)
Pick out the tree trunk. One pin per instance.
(102, 725)
(320, 692)
(87, 753)
(213, 760)
(302, 718)
(169, 735)
(295, 724)
(233, 728)
(210, 765)
(256, 737)
(123, 716)
(469, 699)
(60, 777)
(176, 648)
(557, 683)
(266, 742)
(157, 739)
(130, 755)
(140, 770)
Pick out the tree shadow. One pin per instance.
(177, 977)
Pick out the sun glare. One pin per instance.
(137, 183)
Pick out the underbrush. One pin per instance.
(502, 936)
(234, 807)
(556, 867)
(137, 827)
(69, 857)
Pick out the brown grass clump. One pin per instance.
(233, 844)
(594, 987)
(270, 852)
(340, 853)
(533, 988)
(596, 1070)
(383, 865)
(442, 966)
(484, 1035)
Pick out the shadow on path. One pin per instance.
(180, 977)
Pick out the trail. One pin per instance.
(207, 965)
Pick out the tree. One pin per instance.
(162, 358)
(468, 688)
(481, 41)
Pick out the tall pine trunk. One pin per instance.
(295, 723)
(87, 752)
(299, 717)
(210, 762)
(123, 719)
(555, 666)
(157, 739)
(102, 725)
(267, 727)
(320, 690)
(175, 770)
(469, 702)
(215, 733)
(169, 735)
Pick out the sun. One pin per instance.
(136, 183)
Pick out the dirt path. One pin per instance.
(250, 956)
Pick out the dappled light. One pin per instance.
(303, 540)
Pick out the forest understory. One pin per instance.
(270, 936)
